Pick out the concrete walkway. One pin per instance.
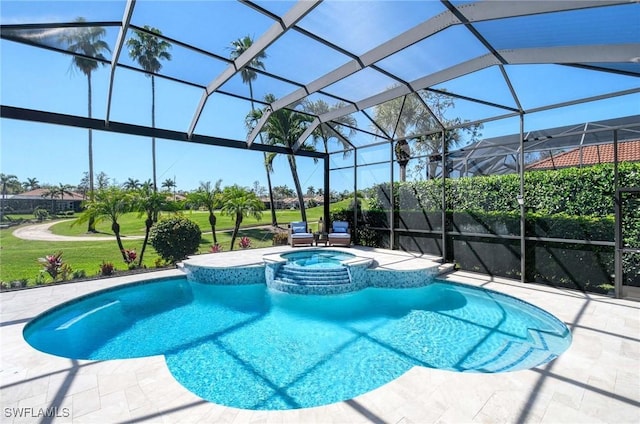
(42, 232)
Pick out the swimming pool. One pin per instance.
(317, 258)
(250, 347)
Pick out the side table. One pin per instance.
(321, 238)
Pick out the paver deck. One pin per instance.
(596, 380)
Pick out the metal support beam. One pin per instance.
(523, 210)
(259, 125)
(355, 196)
(444, 197)
(475, 12)
(617, 254)
(126, 20)
(306, 134)
(326, 210)
(621, 53)
(297, 12)
(392, 214)
(30, 115)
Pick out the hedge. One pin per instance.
(571, 203)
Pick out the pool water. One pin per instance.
(248, 347)
(317, 258)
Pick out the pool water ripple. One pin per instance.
(250, 347)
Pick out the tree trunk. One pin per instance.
(153, 139)
(272, 206)
(274, 220)
(212, 222)
(236, 228)
(91, 227)
(115, 227)
(148, 224)
(296, 182)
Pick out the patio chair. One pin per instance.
(340, 234)
(299, 234)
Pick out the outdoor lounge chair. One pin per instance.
(299, 234)
(340, 234)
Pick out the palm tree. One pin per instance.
(148, 50)
(331, 130)
(31, 184)
(170, 184)
(108, 203)
(248, 75)
(208, 197)
(400, 118)
(8, 181)
(88, 42)
(149, 203)
(239, 203)
(284, 127)
(131, 184)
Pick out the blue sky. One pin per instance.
(41, 79)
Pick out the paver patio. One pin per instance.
(596, 380)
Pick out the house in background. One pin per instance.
(628, 151)
(27, 202)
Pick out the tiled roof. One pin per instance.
(39, 194)
(591, 155)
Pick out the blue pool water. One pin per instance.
(317, 258)
(249, 347)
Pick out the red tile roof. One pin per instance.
(593, 154)
(40, 192)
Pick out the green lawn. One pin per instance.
(19, 258)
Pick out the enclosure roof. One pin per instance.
(358, 69)
(498, 155)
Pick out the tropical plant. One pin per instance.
(216, 248)
(30, 184)
(103, 180)
(245, 242)
(283, 128)
(40, 214)
(106, 268)
(130, 257)
(52, 264)
(131, 184)
(88, 47)
(8, 182)
(238, 202)
(149, 203)
(175, 238)
(334, 130)
(108, 203)
(169, 185)
(148, 50)
(249, 75)
(208, 197)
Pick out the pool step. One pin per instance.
(313, 276)
(517, 355)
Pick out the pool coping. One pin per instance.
(596, 380)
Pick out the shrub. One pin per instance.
(106, 268)
(40, 214)
(129, 257)
(176, 238)
(79, 273)
(52, 264)
(280, 239)
(244, 243)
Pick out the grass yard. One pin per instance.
(19, 258)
